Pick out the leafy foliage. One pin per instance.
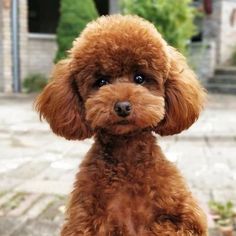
(224, 211)
(174, 19)
(34, 83)
(74, 17)
(233, 59)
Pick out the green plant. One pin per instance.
(34, 83)
(174, 19)
(74, 15)
(233, 59)
(224, 211)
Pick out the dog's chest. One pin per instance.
(128, 197)
(130, 213)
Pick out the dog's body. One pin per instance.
(131, 190)
(121, 83)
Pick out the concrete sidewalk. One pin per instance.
(37, 168)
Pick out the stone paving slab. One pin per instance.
(9, 224)
(26, 203)
(46, 186)
(40, 206)
(37, 228)
(33, 215)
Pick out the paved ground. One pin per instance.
(37, 168)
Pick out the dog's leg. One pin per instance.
(80, 215)
(73, 229)
(190, 221)
(167, 229)
(176, 212)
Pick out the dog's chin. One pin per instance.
(124, 127)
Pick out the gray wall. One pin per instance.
(202, 58)
(40, 54)
(114, 6)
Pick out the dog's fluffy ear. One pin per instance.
(61, 105)
(184, 97)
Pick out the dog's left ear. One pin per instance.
(184, 97)
(61, 105)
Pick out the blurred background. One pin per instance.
(37, 168)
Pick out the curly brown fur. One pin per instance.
(125, 185)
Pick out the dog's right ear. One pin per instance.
(61, 105)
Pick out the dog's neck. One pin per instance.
(125, 148)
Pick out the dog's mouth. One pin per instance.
(123, 126)
(122, 122)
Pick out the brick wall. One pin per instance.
(6, 48)
(218, 27)
(6, 79)
(1, 52)
(37, 51)
(23, 35)
(41, 52)
(212, 26)
(227, 37)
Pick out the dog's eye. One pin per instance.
(139, 79)
(101, 82)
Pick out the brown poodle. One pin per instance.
(120, 83)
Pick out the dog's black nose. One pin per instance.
(123, 108)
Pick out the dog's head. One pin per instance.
(121, 76)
